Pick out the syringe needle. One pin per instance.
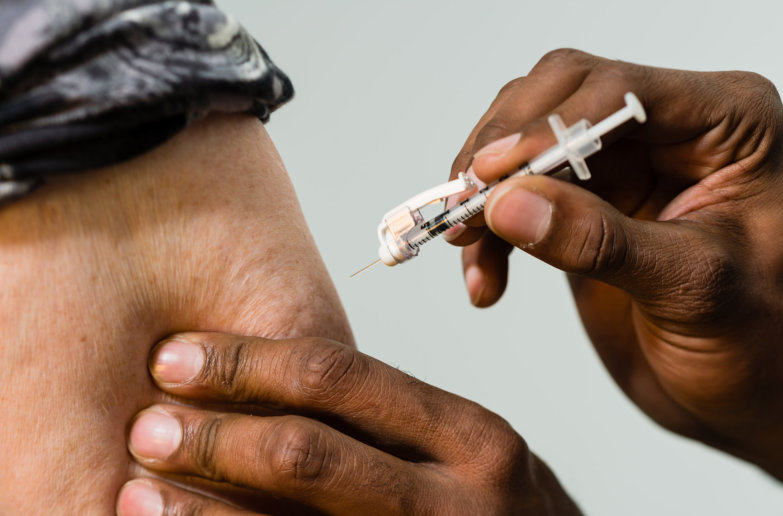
(376, 262)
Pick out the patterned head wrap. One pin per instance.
(90, 83)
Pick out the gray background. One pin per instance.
(386, 94)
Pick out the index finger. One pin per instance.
(364, 397)
(548, 84)
(680, 105)
(544, 91)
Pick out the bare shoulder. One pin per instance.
(203, 233)
(215, 199)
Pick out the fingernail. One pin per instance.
(155, 435)
(500, 146)
(472, 175)
(138, 498)
(177, 362)
(520, 216)
(454, 232)
(474, 280)
(457, 198)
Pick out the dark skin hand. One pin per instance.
(352, 436)
(673, 248)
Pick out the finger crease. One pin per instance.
(206, 448)
(601, 251)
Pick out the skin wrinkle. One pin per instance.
(768, 263)
(499, 455)
(206, 443)
(728, 134)
(674, 358)
(637, 388)
(732, 417)
(603, 254)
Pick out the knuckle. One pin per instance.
(712, 287)
(227, 366)
(767, 87)
(189, 507)
(330, 370)
(618, 74)
(706, 284)
(503, 451)
(298, 455)
(510, 86)
(600, 247)
(202, 444)
(759, 93)
(403, 492)
(753, 81)
(493, 130)
(562, 57)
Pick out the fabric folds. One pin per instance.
(91, 83)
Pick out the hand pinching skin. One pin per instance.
(354, 436)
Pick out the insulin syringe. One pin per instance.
(403, 230)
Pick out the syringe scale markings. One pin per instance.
(463, 211)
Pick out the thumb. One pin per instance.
(576, 231)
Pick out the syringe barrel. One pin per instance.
(546, 162)
(426, 231)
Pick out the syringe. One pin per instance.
(403, 230)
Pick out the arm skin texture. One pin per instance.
(202, 233)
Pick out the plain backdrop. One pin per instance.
(387, 92)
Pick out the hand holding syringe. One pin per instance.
(673, 252)
(403, 230)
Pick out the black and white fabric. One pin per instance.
(90, 83)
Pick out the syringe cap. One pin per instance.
(386, 256)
